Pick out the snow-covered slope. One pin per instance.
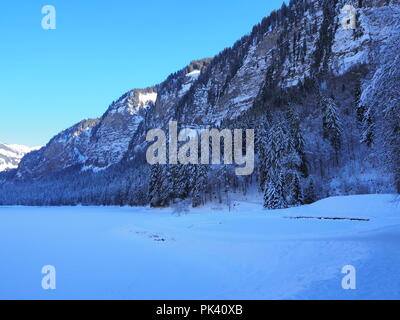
(111, 137)
(209, 253)
(11, 155)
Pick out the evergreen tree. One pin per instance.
(261, 144)
(332, 127)
(274, 197)
(285, 161)
(179, 181)
(165, 187)
(277, 145)
(296, 194)
(298, 142)
(200, 186)
(154, 185)
(365, 117)
(368, 127)
(392, 138)
(309, 194)
(360, 109)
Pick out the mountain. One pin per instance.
(11, 155)
(94, 144)
(323, 99)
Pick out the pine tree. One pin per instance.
(165, 189)
(332, 126)
(154, 185)
(261, 145)
(285, 160)
(200, 186)
(360, 109)
(277, 145)
(296, 194)
(274, 197)
(309, 194)
(392, 138)
(179, 181)
(368, 127)
(298, 142)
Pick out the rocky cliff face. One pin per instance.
(93, 144)
(308, 44)
(292, 58)
(110, 138)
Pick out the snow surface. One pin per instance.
(145, 98)
(208, 253)
(194, 73)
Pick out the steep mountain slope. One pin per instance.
(97, 144)
(92, 144)
(110, 138)
(321, 97)
(11, 155)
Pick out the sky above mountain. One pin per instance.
(51, 79)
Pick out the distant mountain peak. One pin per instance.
(11, 155)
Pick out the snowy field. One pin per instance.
(209, 253)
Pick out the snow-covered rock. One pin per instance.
(11, 155)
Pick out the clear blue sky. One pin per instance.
(51, 79)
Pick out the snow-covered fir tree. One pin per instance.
(200, 186)
(309, 193)
(154, 185)
(285, 163)
(332, 126)
(392, 138)
(368, 127)
(295, 195)
(274, 195)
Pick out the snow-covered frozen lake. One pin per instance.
(209, 253)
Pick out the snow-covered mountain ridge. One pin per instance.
(11, 155)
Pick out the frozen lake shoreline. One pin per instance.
(209, 253)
